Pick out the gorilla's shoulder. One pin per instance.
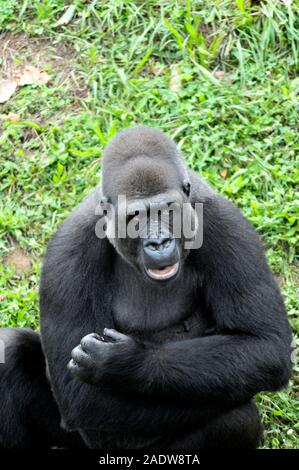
(80, 223)
(200, 189)
(217, 206)
(84, 214)
(225, 229)
(75, 243)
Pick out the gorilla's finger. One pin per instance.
(115, 335)
(72, 365)
(79, 372)
(96, 336)
(90, 342)
(80, 356)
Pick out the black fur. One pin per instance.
(29, 418)
(192, 352)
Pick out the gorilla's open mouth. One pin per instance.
(162, 274)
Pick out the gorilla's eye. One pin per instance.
(186, 187)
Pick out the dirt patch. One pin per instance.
(58, 59)
(19, 260)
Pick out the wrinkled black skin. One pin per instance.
(161, 383)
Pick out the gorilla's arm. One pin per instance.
(87, 407)
(251, 353)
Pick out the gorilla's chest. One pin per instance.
(159, 313)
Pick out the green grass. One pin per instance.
(127, 62)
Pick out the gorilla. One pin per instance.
(147, 341)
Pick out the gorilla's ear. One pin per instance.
(101, 207)
(186, 187)
(104, 200)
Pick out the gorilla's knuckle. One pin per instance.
(76, 352)
(72, 366)
(87, 342)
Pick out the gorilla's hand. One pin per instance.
(96, 360)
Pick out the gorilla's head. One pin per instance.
(146, 183)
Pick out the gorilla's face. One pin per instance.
(147, 229)
(153, 240)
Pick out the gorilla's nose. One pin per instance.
(159, 252)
